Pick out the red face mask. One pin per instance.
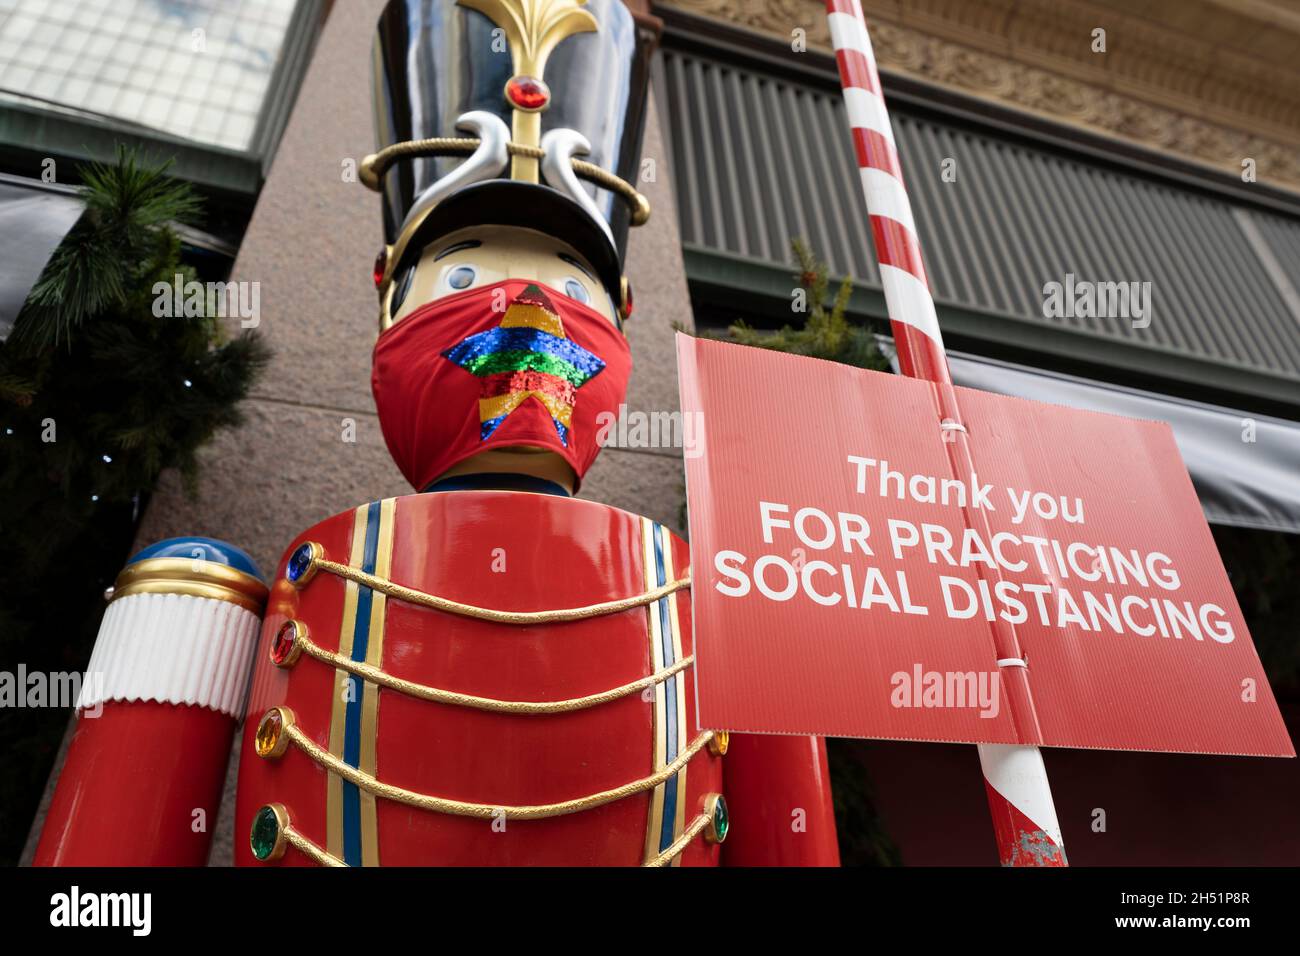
(509, 364)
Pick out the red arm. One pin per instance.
(157, 712)
(779, 796)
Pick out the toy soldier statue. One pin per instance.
(490, 671)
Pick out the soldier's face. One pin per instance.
(483, 255)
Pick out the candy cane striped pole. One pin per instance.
(1020, 800)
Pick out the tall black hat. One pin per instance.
(508, 112)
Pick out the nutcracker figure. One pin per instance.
(489, 671)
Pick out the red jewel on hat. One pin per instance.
(528, 92)
(381, 263)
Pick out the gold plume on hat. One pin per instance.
(533, 28)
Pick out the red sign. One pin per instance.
(848, 583)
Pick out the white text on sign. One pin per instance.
(1034, 569)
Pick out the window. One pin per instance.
(201, 70)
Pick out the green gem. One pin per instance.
(720, 819)
(265, 833)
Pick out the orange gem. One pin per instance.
(269, 731)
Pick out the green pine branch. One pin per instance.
(97, 394)
(825, 333)
(121, 237)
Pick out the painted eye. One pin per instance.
(461, 277)
(576, 290)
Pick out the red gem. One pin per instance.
(528, 93)
(381, 263)
(282, 644)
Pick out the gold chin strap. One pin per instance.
(373, 167)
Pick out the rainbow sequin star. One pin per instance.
(526, 356)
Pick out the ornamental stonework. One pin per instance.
(1145, 90)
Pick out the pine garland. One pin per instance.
(97, 397)
(826, 333)
(97, 394)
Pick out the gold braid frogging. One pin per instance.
(487, 811)
(524, 707)
(412, 596)
(461, 808)
(305, 846)
(689, 834)
(324, 858)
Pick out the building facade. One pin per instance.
(1163, 151)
